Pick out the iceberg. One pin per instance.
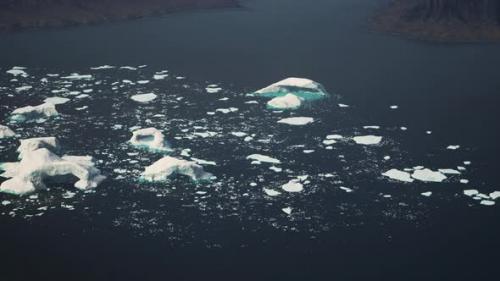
(29, 145)
(17, 71)
(293, 186)
(34, 112)
(144, 98)
(305, 89)
(288, 101)
(76, 76)
(428, 175)
(398, 175)
(56, 100)
(263, 158)
(28, 175)
(6, 132)
(167, 166)
(296, 121)
(149, 138)
(367, 140)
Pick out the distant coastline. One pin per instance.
(404, 17)
(29, 14)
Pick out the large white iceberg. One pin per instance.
(304, 88)
(29, 145)
(28, 175)
(167, 166)
(34, 112)
(288, 101)
(149, 138)
(296, 121)
(6, 132)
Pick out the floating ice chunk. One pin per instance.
(204, 162)
(394, 107)
(287, 210)
(301, 87)
(6, 132)
(346, 189)
(449, 171)
(426, 194)
(252, 102)
(263, 158)
(334, 137)
(464, 181)
(32, 144)
(226, 110)
(82, 96)
(206, 134)
(144, 98)
(34, 112)
(296, 121)
(453, 147)
(293, 186)
(329, 142)
(5, 202)
(367, 140)
(398, 175)
(387, 157)
(56, 100)
(102, 67)
(160, 76)
(487, 202)
(17, 71)
(428, 132)
(371, 127)
(167, 166)
(341, 105)
(150, 138)
(276, 169)
(403, 128)
(471, 192)
(76, 76)
(213, 89)
(238, 134)
(308, 151)
(288, 101)
(28, 175)
(271, 192)
(142, 82)
(428, 175)
(494, 195)
(23, 88)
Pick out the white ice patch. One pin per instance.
(167, 166)
(427, 175)
(367, 140)
(238, 134)
(271, 192)
(263, 159)
(426, 194)
(453, 147)
(102, 67)
(226, 110)
(471, 192)
(487, 202)
(6, 132)
(204, 162)
(398, 175)
(23, 88)
(287, 210)
(32, 144)
(341, 105)
(296, 121)
(495, 195)
(371, 127)
(144, 98)
(56, 100)
(449, 171)
(76, 76)
(346, 189)
(213, 89)
(288, 101)
(293, 186)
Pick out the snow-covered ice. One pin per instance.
(427, 175)
(263, 158)
(56, 100)
(367, 140)
(28, 145)
(288, 101)
(168, 166)
(398, 175)
(293, 186)
(296, 121)
(150, 138)
(144, 98)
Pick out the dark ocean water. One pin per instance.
(126, 230)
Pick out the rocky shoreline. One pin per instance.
(28, 14)
(441, 20)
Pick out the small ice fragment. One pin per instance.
(426, 194)
(464, 181)
(367, 140)
(293, 186)
(343, 105)
(76, 76)
(494, 195)
(371, 127)
(394, 107)
(271, 192)
(449, 171)
(287, 210)
(238, 134)
(144, 98)
(453, 147)
(329, 142)
(6, 132)
(334, 137)
(346, 189)
(56, 100)
(487, 202)
(263, 158)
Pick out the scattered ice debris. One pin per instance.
(27, 175)
(427, 175)
(150, 138)
(226, 110)
(287, 210)
(56, 100)
(300, 87)
(34, 112)
(293, 186)
(76, 76)
(453, 147)
(426, 194)
(18, 71)
(367, 140)
(32, 144)
(398, 175)
(144, 98)
(6, 132)
(271, 192)
(259, 158)
(393, 107)
(288, 101)
(167, 166)
(296, 121)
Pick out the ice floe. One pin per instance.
(304, 88)
(150, 138)
(296, 121)
(427, 175)
(56, 100)
(144, 98)
(287, 210)
(34, 112)
(293, 186)
(168, 166)
(6, 132)
(288, 101)
(367, 140)
(259, 158)
(28, 145)
(398, 175)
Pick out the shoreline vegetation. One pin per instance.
(18, 15)
(441, 20)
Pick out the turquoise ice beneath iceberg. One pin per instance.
(28, 175)
(303, 88)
